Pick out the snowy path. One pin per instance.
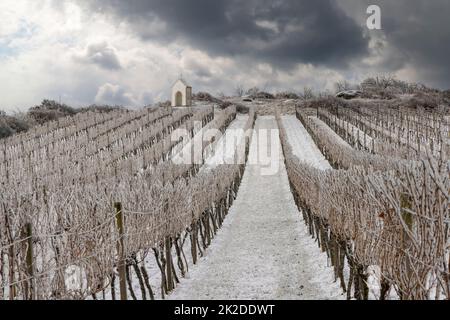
(263, 250)
(302, 144)
(225, 149)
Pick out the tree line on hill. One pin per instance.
(381, 88)
(48, 110)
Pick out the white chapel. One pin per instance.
(181, 94)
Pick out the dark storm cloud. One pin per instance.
(326, 33)
(419, 31)
(282, 33)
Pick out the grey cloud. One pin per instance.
(100, 54)
(418, 33)
(114, 95)
(326, 33)
(200, 70)
(421, 31)
(282, 33)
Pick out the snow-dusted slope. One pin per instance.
(302, 144)
(226, 147)
(337, 137)
(263, 250)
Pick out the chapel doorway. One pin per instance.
(179, 99)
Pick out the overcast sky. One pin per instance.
(130, 52)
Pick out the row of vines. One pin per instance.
(83, 205)
(376, 210)
(403, 133)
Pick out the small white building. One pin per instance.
(181, 94)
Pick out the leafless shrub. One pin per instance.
(50, 110)
(446, 96)
(286, 95)
(388, 87)
(252, 91)
(343, 86)
(426, 100)
(225, 104)
(239, 90)
(307, 94)
(99, 108)
(10, 125)
(327, 102)
(263, 95)
(206, 97)
(165, 104)
(256, 93)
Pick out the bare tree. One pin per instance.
(239, 90)
(342, 85)
(253, 91)
(307, 93)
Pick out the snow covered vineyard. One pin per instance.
(263, 250)
(181, 203)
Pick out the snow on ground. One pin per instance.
(337, 137)
(226, 147)
(302, 144)
(263, 250)
(221, 150)
(306, 150)
(358, 134)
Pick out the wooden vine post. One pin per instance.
(11, 255)
(406, 207)
(169, 267)
(29, 261)
(121, 252)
